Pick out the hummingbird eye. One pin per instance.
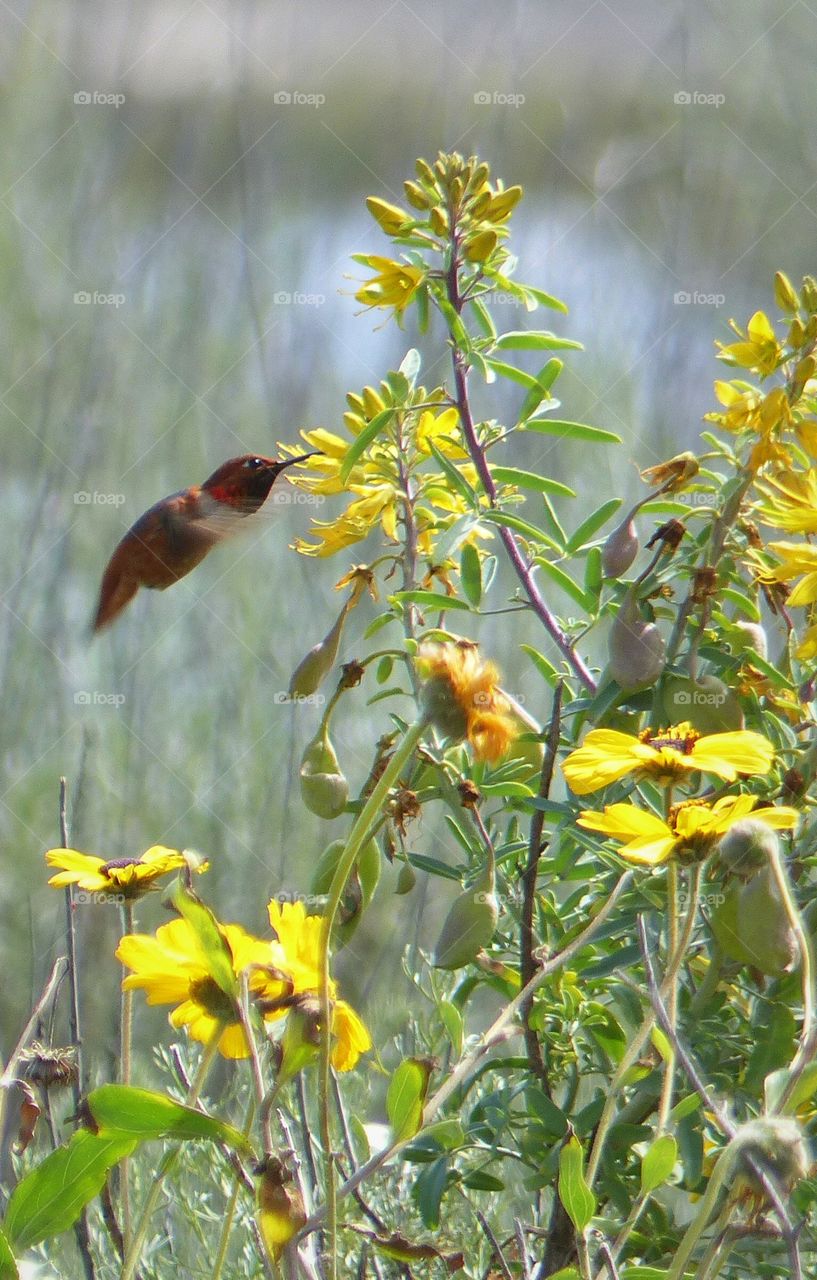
(252, 464)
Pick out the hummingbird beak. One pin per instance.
(302, 457)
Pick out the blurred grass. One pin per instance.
(199, 200)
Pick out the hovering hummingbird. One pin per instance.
(176, 534)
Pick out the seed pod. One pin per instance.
(469, 925)
(324, 789)
(360, 887)
(778, 1145)
(406, 879)
(755, 637)
(313, 669)
(620, 550)
(389, 217)
(747, 847)
(763, 927)
(708, 704)
(636, 648)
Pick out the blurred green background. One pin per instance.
(198, 171)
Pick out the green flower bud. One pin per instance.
(809, 294)
(748, 846)
(469, 925)
(480, 247)
(324, 789)
(620, 550)
(389, 217)
(416, 196)
(636, 648)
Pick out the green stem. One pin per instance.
(808, 1031)
(706, 1207)
(366, 819)
(665, 1105)
(229, 1212)
(635, 1046)
(125, 1051)
(167, 1164)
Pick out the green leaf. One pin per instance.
(541, 392)
(543, 665)
(530, 480)
(214, 953)
(564, 580)
(534, 340)
(428, 1192)
(8, 1266)
(430, 600)
(775, 1085)
(381, 621)
(513, 374)
(594, 574)
(484, 318)
(471, 574)
(773, 1049)
(593, 522)
(142, 1114)
(452, 1021)
(519, 525)
(546, 299)
(362, 441)
(658, 1162)
(685, 1107)
(570, 430)
(405, 1097)
(51, 1197)
(384, 668)
(481, 1181)
(411, 365)
(574, 1193)
(455, 476)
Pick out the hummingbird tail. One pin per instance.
(117, 590)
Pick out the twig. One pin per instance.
(495, 1245)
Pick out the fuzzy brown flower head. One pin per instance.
(49, 1068)
(470, 795)
(462, 698)
(670, 534)
(404, 808)
(352, 673)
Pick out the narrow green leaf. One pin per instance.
(214, 953)
(538, 394)
(428, 1192)
(534, 340)
(484, 318)
(362, 441)
(430, 600)
(574, 1193)
(411, 365)
(455, 476)
(593, 574)
(452, 1021)
(513, 374)
(530, 480)
(381, 621)
(479, 1180)
(593, 522)
(524, 527)
(405, 1098)
(8, 1265)
(546, 299)
(564, 580)
(658, 1162)
(543, 665)
(571, 430)
(140, 1113)
(471, 574)
(51, 1197)
(384, 668)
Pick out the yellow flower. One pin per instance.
(693, 828)
(789, 501)
(742, 405)
(758, 348)
(169, 967)
(666, 756)
(360, 517)
(393, 285)
(462, 698)
(796, 558)
(297, 950)
(129, 878)
(441, 430)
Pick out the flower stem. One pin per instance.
(808, 1031)
(229, 1212)
(125, 1048)
(167, 1164)
(366, 819)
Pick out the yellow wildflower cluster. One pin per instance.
(389, 479)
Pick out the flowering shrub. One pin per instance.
(616, 1030)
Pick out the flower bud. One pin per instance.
(620, 550)
(389, 217)
(439, 221)
(636, 648)
(809, 293)
(469, 925)
(416, 196)
(481, 246)
(373, 402)
(502, 204)
(425, 173)
(748, 846)
(784, 293)
(796, 335)
(324, 789)
(803, 373)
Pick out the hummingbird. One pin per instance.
(175, 534)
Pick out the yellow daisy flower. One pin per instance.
(462, 698)
(758, 348)
(692, 830)
(297, 949)
(168, 966)
(665, 756)
(129, 878)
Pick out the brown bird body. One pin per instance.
(175, 534)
